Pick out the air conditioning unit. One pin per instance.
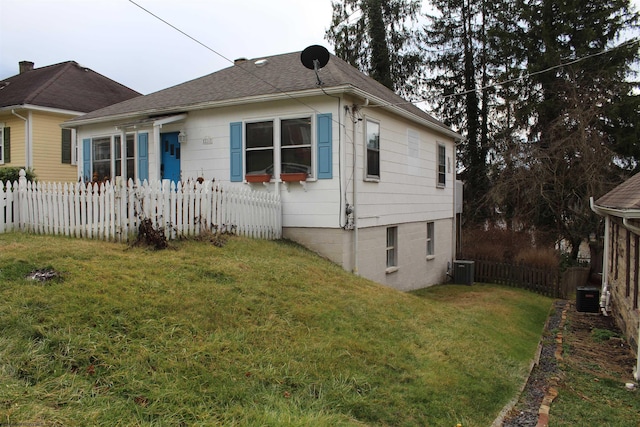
(463, 272)
(588, 300)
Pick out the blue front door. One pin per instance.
(170, 147)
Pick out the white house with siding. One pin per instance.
(366, 179)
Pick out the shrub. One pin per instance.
(12, 174)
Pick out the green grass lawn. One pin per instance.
(252, 333)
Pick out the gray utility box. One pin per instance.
(588, 300)
(463, 272)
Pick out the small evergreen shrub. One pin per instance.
(12, 174)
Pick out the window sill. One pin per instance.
(441, 186)
(391, 270)
(431, 257)
(371, 179)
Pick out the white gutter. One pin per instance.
(343, 89)
(27, 138)
(43, 109)
(626, 215)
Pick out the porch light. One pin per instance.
(182, 137)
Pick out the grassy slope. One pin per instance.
(254, 333)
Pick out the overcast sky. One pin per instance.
(118, 39)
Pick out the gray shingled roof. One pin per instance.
(66, 86)
(624, 196)
(245, 80)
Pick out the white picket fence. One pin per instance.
(114, 211)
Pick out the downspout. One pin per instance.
(355, 194)
(27, 140)
(604, 292)
(630, 227)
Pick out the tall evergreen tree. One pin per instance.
(376, 36)
(579, 113)
(461, 62)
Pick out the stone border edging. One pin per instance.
(552, 392)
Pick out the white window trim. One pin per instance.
(1, 143)
(439, 146)
(431, 241)
(366, 176)
(112, 151)
(391, 268)
(277, 143)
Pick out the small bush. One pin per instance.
(12, 174)
(150, 236)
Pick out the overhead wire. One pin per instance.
(224, 57)
(515, 79)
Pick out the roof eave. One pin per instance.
(334, 90)
(40, 108)
(404, 113)
(626, 213)
(201, 106)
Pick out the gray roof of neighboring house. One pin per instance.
(65, 86)
(277, 75)
(624, 196)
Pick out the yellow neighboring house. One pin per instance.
(36, 101)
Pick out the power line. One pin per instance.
(223, 57)
(523, 77)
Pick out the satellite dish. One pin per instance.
(314, 58)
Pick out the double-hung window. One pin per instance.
(289, 138)
(129, 158)
(259, 147)
(295, 145)
(442, 166)
(372, 135)
(291, 149)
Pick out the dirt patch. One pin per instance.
(592, 342)
(596, 345)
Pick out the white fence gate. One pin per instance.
(114, 211)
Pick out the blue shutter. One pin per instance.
(324, 140)
(86, 159)
(143, 156)
(235, 154)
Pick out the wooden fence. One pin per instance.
(114, 211)
(544, 281)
